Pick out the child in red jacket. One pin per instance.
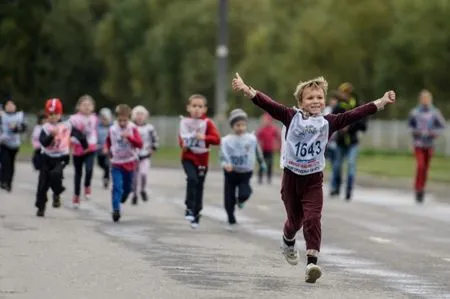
(122, 143)
(197, 132)
(269, 139)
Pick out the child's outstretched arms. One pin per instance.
(276, 110)
(339, 121)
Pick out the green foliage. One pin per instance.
(158, 52)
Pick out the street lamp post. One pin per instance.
(222, 63)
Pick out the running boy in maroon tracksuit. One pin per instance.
(307, 135)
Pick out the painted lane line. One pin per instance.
(380, 240)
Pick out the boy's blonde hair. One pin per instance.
(139, 109)
(84, 98)
(318, 82)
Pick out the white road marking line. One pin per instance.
(447, 259)
(379, 240)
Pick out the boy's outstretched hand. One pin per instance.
(388, 98)
(239, 85)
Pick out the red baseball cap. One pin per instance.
(53, 106)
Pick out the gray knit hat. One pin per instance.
(237, 115)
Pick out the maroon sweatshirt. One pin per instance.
(335, 121)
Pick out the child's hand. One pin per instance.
(200, 136)
(125, 134)
(389, 97)
(105, 151)
(228, 167)
(239, 85)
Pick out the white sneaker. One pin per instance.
(189, 218)
(194, 225)
(230, 227)
(290, 253)
(312, 273)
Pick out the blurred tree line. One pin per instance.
(158, 52)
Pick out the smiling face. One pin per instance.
(312, 100)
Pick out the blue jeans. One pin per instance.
(351, 153)
(122, 181)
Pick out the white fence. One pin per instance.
(381, 134)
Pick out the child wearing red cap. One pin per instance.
(55, 145)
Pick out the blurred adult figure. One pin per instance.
(346, 142)
(330, 151)
(426, 123)
(269, 139)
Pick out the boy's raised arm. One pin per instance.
(275, 109)
(339, 121)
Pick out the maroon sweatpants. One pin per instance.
(423, 159)
(303, 199)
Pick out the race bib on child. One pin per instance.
(304, 148)
(121, 149)
(240, 151)
(61, 141)
(189, 128)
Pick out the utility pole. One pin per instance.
(222, 64)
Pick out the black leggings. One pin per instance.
(268, 158)
(194, 190)
(103, 163)
(7, 161)
(50, 176)
(239, 182)
(78, 161)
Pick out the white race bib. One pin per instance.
(240, 151)
(189, 128)
(304, 148)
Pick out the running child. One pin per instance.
(426, 123)
(269, 138)
(37, 155)
(122, 144)
(12, 125)
(237, 154)
(197, 132)
(149, 137)
(105, 122)
(306, 136)
(55, 146)
(85, 121)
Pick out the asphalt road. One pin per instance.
(381, 245)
